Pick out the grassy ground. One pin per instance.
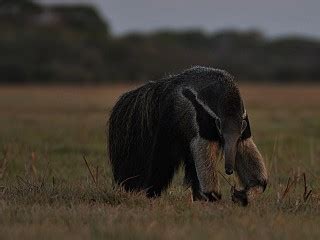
(47, 191)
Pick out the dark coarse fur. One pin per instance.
(151, 127)
(143, 135)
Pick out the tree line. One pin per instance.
(73, 44)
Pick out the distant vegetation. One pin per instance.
(73, 44)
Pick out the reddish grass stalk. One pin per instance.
(306, 193)
(33, 165)
(287, 189)
(89, 169)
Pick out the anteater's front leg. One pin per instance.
(202, 170)
(251, 170)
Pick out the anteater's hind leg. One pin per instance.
(161, 176)
(201, 170)
(166, 161)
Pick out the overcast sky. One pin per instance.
(274, 17)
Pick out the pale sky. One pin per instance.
(273, 17)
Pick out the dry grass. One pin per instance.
(55, 181)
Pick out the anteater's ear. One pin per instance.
(246, 131)
(209, 123)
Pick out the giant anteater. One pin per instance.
(185, 119)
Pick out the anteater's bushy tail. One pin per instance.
(132, 127)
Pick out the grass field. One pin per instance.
(47, 191)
